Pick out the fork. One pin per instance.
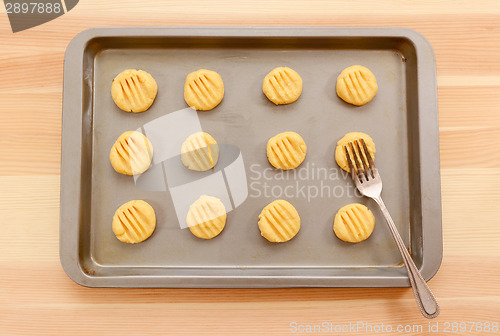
(368, 181)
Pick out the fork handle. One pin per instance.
(426, 301)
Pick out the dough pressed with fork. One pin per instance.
(286, 150)
(134, 90)
(131, 154)
(134, 222)
(354, 223)
(282, 85)
(340, 154)
(356, 85)
(279, 221)
(204, 89)
(206, 217)
(200, 152)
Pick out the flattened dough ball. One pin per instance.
(200, 152)
(353, 223)
(286, 150)
(203, 90)
(282, 85)
(206, 217)
(340, 154)
(356, 85)
(134, 222)
(131, 154)
(134, 90)
(279, 221)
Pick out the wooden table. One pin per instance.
(36, 296)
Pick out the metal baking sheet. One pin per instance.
(402, 120)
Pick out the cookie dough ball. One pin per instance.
(134, 222)
(279, 222)
(131, 154)
(353, 223)
(340, 154)
(282, 86)
(356, 85)
(204, 89)
(286, 150)
(200, 152)
(134, 90)
(206, 217)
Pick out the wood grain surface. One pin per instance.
(36, 296)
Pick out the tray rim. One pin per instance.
(429, 163)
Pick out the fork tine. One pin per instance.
(369, 158)
(362, 158)
(356, 159)
(354, 172)
(351, 166)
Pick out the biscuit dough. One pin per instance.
(134, 222)
(282, 85)
(279, 221)
(134, 90)
(286, 150)
(356, 85)
(340, 154)
(131, 154)
(353, 223)
(200, 152)
(206, 217)
(203, 90)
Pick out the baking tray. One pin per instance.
(402, 120)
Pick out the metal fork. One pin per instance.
(368, 181)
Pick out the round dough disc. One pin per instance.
(203, 90)
(200, 152)
(286, 150)
(134, 90)
(354, 223)
(279, 221)
(206, 217)
(131, 154)
(134, 222)
(356, 85)
(282, 85)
